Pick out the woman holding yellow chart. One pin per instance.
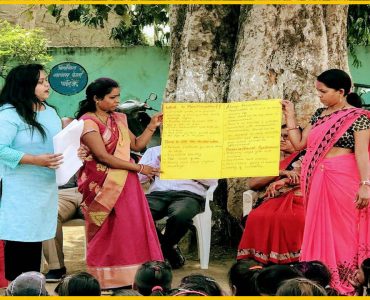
(335, 178)
(121, 233)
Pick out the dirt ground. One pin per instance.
(220, 261)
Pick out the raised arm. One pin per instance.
(140, 142)
(296, 137)
(94, 142)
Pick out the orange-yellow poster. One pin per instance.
(221, 140)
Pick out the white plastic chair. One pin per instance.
(203, 225)
(248, 198)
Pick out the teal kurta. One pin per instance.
(28, 205)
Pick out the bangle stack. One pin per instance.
(141, 168)
(292, 128)
(365, 182)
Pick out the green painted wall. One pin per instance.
(141, 70)
(361, 75)
(138, 70)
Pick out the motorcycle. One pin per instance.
(138, 119)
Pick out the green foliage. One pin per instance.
(358, 29)
(21, 46)
(133, 19)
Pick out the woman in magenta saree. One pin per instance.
(120, 231)
(335, 180)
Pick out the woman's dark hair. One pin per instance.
(300, 287)
(19, 91)
(201, 283)
(316, 271)
(79, 284)
(338, 79)
(153, 278)
(242, 277)
(185, 291)
(125, 292)
(365, 266)
(270, 278)
(99, 88)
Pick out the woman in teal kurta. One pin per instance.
(28, 205)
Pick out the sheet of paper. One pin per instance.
(67, 142)
(221, 140)
(191, 138)
(251, 139)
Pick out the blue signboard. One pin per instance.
(68, 78)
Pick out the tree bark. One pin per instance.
(280, 51)
(202, 46)
(177, 19)
(239, 53)
(336, 28)
(202, 53)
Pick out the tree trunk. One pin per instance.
(202, 46)
(177, 19)
(336, 34)
(280, 51)
(238, 53)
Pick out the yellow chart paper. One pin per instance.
(221, 140)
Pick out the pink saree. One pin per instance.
(335, 232)
(120, 230)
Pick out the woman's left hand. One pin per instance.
(362, 198)
(293, 176)
(82, 152)
(156, 120)
(274, 187)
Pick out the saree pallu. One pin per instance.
(274, 230)
(3, 281)
(335, 233)
(120, 230)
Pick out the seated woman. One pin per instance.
(274, 230)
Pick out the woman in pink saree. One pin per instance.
(335, 178)
(120, 230)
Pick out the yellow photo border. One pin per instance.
(189, 2)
